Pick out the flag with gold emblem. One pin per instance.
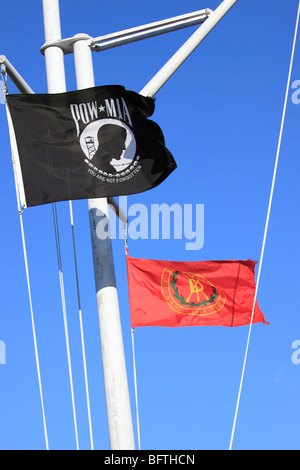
(177, 293)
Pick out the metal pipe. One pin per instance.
(188, 47)
(133, 34)
(54, 57)
(56, 82)
(120, 427)
(117, 209)
(14, 75)
(149, 30)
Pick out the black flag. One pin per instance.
(87, 144)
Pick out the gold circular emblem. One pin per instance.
(191, 294)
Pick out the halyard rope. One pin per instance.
(81, 329)
(133, 357)
(63, 300)
(20, 210)
(266, 223)
(55, 220)
(135, 390)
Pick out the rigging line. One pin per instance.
(135, 390)
(133, 356)
(14, 150)
(33, 328)
(63, 300)
(81, 329)
(267, 221)
(124, 228)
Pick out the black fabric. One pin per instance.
(89, 143)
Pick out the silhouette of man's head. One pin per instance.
(111, 140)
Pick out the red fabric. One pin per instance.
(176, 293)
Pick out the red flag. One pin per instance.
(177, 293)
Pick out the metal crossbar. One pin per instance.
(138, 33)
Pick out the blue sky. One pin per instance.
(220, 114)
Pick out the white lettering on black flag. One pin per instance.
(86, 144)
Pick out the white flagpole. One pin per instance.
(185, 51)
(56, 82)
(114, 367)
(113, 358)
(54, 57)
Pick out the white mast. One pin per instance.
(188, 47)
(113, 358)
(115, 376)
(114, 367)
(56, 82)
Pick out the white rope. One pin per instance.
(133, 356)
(14, 150)
(63, 300)
(266, 224)
(33, 330)
(81, 331)
(135, 390)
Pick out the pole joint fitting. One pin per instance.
(66, 45)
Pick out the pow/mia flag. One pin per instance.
(87, 144)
